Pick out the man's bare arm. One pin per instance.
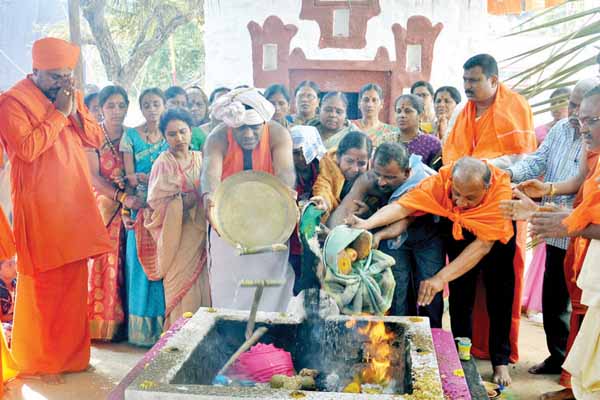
(281, 150)
(348, 206)
(592, 231)
(212, 165)
(465, 262)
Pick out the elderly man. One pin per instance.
(44, 127)
(495, 125)
(558, 223)
(415, 243)
(246, 140)
(557, 159)
(466, 194)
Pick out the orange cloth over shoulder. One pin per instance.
(588, 211)
(7, 241)
(485, 221)
(262, 160)
(505, 128)
(55, 217)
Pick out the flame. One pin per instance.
(351, 323)
(377, 353)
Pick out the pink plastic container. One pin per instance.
(261, 362)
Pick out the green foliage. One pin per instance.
(189, 60)
(578, 29)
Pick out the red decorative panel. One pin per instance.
(418, 39)
(322, 11)
(274, 32)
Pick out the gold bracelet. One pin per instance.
(552, 190)
(125, 211)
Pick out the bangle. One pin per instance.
(125, 211)
(116, 195)
(122, 197)
(552, 190)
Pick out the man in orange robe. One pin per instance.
(496, 125)
(466, 194)
(44, 127)
(578, 224)
(246, 140)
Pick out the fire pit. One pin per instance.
(394, 354)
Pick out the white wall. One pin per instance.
(468, 30)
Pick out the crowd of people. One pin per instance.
(116, 222)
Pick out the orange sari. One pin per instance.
(106, 272)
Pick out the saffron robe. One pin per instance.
(585, 213)
(57, 227)
(505, 128)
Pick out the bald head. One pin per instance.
(584, 86)
(470, 181)
(580, 89)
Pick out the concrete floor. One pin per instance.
(111, 363)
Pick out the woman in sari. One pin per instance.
(370, 103)
(141, 146)
(338, 170)
(279, 96)
(306, 95)
(333, 124)
(424, 91)
(445, 101)
(176, 220)
(106, 275)
(408, 109)
(198, 106)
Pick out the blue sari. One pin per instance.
(145, 298)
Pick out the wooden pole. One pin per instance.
(75, 36)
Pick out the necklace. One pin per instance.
(147, 134)
(109, 142)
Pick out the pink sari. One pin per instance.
(534, 278)
(180, 235)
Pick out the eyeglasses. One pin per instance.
(588, 121)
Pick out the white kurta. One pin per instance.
(227, 269)
(583, 361)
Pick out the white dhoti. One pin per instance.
(227, 269)
(583, 361)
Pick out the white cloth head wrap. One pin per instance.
(230, 108)
(309, 139)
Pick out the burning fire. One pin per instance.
(351, 323)
(377, 355)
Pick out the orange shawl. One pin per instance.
(506, 128)
(485, 221)
(56, 220)
(588, 211)
(261, 155)
(7, 241)
(330, 181)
